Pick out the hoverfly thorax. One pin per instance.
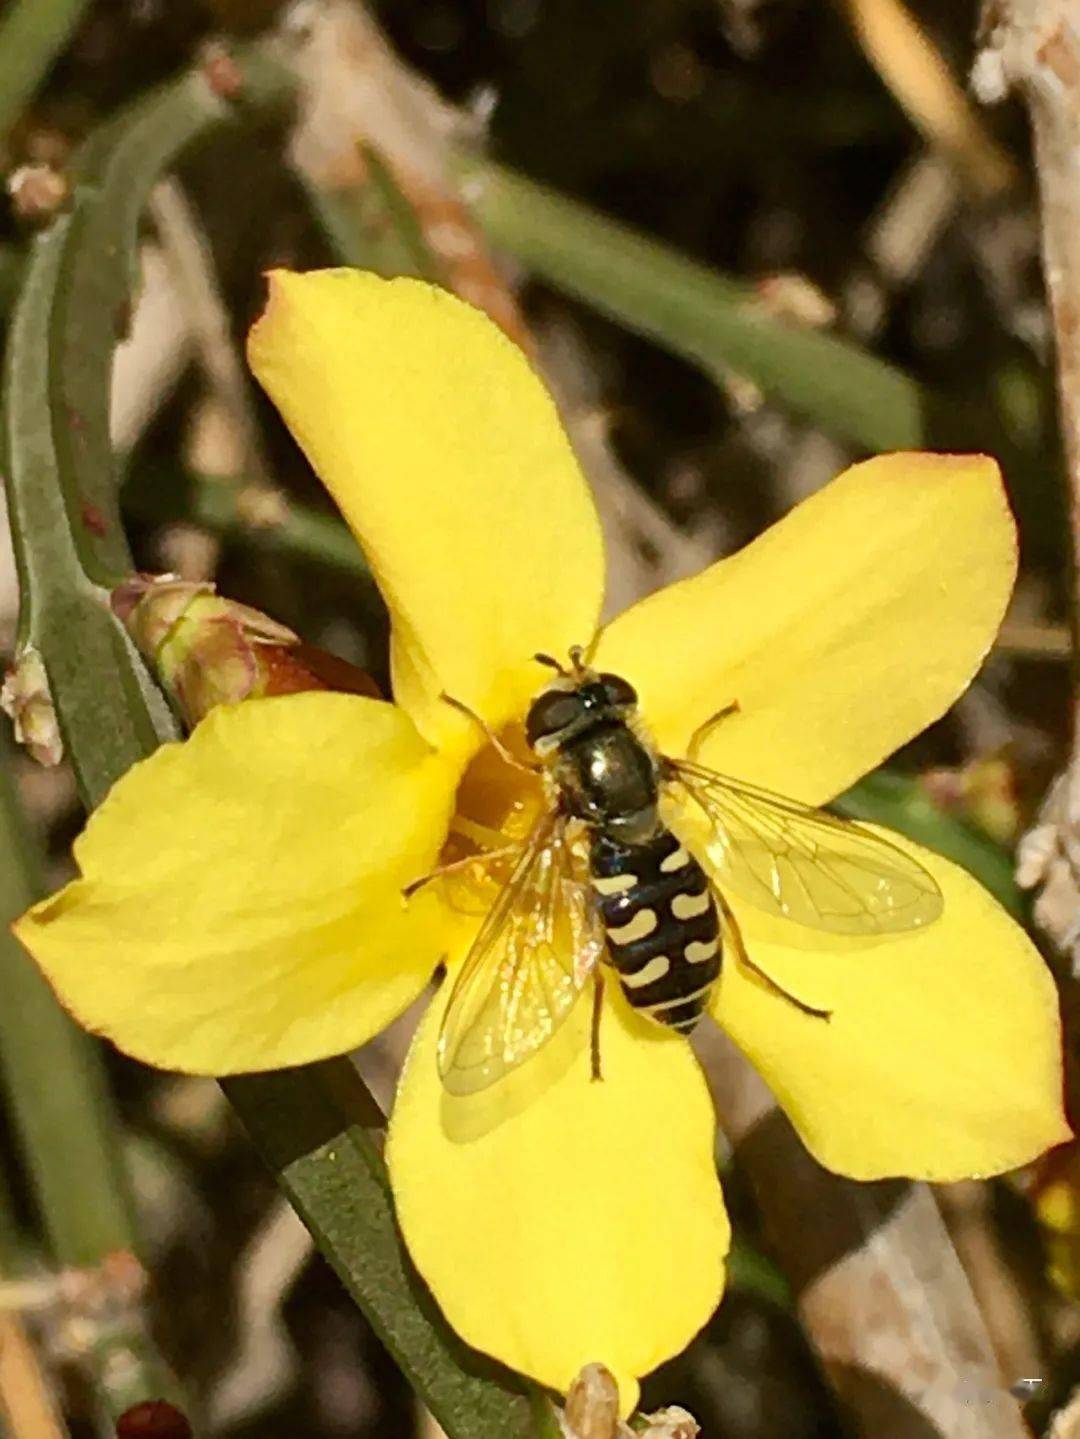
(582, 728)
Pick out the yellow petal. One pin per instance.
(560, 1221)
(943, 1056)
(240, 902)
(446, 456)
(842, 632)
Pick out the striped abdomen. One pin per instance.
(663, 934)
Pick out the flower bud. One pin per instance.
(206, 650)
(154, 1419)
(592, 1405)
(986, 792)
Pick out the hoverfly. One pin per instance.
(601, 878)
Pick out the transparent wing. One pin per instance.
(803, 864)
(527, 965)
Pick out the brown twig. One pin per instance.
(1033, 47)
(879, 1288)
(966, 1208)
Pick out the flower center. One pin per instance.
(497, 804)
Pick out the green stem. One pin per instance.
(317, 1128)
(691, 310)
(217, 505)
(32, 34)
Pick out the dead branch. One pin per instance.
(1033, 48)
(878, 1285)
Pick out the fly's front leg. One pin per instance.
(493, 739)
(705, 729)
(598, 1001)
(456, 866)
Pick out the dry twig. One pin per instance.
(917, 74)
(1033, 47)
(880, 1290)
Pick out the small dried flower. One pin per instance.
(25, 697)
(37, 192)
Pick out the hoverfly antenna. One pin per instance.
(552, 663)
(581, 656)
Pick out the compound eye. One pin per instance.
(618, 691)
(551, 713)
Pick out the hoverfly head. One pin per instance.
(574, 702)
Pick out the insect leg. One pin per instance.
(701, 734)
(581, 656)
(740, 948)
(598, 1000)
(493, 738)
(458, 864)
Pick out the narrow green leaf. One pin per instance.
(754, 1273)
(693, 311)
(107, 708)
(32, 34)
(112, 176)
(161, 494)
(317, 1128)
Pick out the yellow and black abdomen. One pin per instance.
(662, 928)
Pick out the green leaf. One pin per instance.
(108, 709)
(318, 1129)
(159, 494)
(693, 311)
(67, 1132)
(32, 34)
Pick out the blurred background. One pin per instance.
(836, 251)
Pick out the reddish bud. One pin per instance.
(206, 650)
(221, 71)
(153, 1419)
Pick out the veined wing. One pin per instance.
(526, 967)
(803, 864)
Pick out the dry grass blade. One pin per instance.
(917, 74)
(27, 1407)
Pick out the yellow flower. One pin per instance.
(240, 902)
